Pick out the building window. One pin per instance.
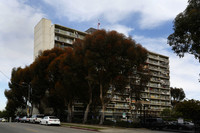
(56, 30)
(69, 41)
(57, 38)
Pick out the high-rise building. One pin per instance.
(156, 95)
(48, 36)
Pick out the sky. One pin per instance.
(149, 22)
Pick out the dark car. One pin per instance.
(24, 119)
(180, 126)
(154, 123)
(172, 125)
(187, 126)
(17, 119)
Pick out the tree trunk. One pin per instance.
(69, 116)
(87, 109)
(31, 111)
(90, 102)
(103, 105)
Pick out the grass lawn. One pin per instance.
(81, 126)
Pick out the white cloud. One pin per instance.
(16, 36)
(152, 13)
(119, 28)
(158, 45)
(155, 12)
(184, 72)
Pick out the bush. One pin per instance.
(77, 120)
(136, 125)
(123, 124)
(92, 121)
(109, 123)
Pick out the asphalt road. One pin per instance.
(36, 128)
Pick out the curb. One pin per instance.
(84, 128)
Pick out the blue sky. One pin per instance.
(148, 22)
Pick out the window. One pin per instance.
(56, 30)
(57, 38)
(53, 117)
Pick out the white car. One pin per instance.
(36, 118)
(4, 120)
(50, 120)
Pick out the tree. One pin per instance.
(3, 114)
(185, 38)
(102, 61)
(85, 71)
(166, 113)
(190, 109)
(177, 95)
(138, 82)
(66, 79)
(18, 94)
(113, 58)
(54, 98)
(42, 78)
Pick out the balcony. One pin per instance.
(165, 99)
(68, 34)
(153, 56)
(155, 97)
(166, 104)
(122, 106)
(64, 40)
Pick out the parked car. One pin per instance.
(180, 126)
(50, 120)
(23, 119)
(28, 118)
(4, 120)
(36, 118)
(172, 125)
(154, 123)
(187, 126)
(17, 119)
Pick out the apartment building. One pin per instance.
(156, 95)
(48, 36)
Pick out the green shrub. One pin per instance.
(92, 121)
(136, 125)
(77, 120)
(109, 123)
(123, 124)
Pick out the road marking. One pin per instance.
(32, 130)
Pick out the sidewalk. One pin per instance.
(109, 129)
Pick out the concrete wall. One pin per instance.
(43, 36)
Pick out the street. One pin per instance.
(36, 128)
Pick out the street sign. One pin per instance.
(124, 115)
